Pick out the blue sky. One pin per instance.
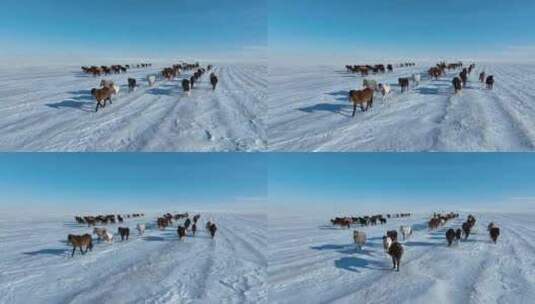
(132, 28)
(126, 181)
(319, 30)
(367, 182)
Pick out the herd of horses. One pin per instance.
(363, 98)
(367, 220)
(104, 234)
(105, 219)
(112, 69)
(395, 249)
(108, 88)
(364, 69)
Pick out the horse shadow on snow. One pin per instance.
(50, 251)
(326, 107)
(81, 100)
(355, 263)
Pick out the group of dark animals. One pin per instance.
(112, 69)
(395, 249)
(188, 84)
(347, 221)
(466, 228)
(86, 240)
(364, 69)
(108, 88)
(104, 219)
(459, 82)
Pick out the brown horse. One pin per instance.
(102, 95)
(396, 251)
(80, 241)
(361, 97)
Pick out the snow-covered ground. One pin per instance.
(36, 265)
(310, 261)
(51, 109)
(309, 111)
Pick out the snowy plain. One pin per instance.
(36, 264)
(51, 109)
(310, 261)
(309, 111)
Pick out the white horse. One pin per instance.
(140, 228)
(384, 89)
(99, 232)
(406, 231)
(416, 78)
(387, 241)
(151, 79)
(108, 237)
(116, 88)
(360, 238)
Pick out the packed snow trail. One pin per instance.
(309, 111)
(37, 267)
(311, 261)
(51, 109)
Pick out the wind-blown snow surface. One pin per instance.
(312, 262)
(309, 111)
(36, 266)
(51, 109)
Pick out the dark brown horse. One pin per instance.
(80, 241)
(490, 82)
(457, 85)
(395, 251)
(124, 232)
(450, 236)
(102, 95)
(212, 229)
(181, 231)
(213, 80)
(494, 233)
(361, 97)
(404, 84)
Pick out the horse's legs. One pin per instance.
(73, 249)
(354, 109)
(394, 262)
(96, 110)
